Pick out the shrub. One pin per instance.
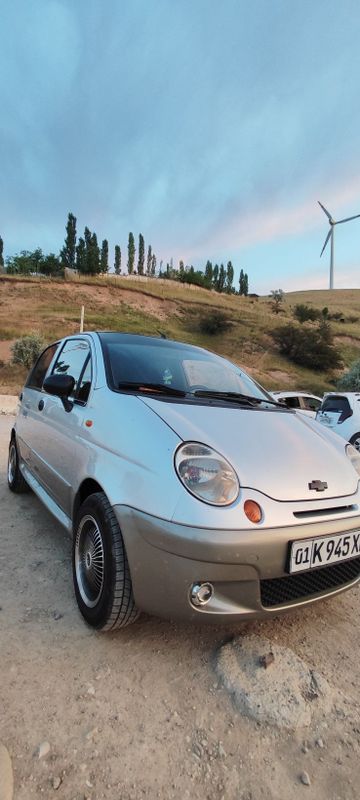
(304, 313)
(308, 346)
(277, 298)
(26, 350)
(214, 322)
(350, 381)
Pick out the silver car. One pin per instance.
(188, 492)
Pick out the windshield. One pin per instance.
(139, 360)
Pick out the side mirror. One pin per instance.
(60, 386)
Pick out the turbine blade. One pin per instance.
(347, 219)
(326, 241)
(325, 211)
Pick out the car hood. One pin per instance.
(277, 453)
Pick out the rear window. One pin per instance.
(335, 403)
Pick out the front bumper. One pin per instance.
(245, 567)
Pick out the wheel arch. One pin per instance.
(89, 486)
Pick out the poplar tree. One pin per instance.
(104, 256)
(222, 278)
(1, 255)
(94, 255)
(80, 262)
(141, 255)
(215, 278)
(153, 265)
(229, 277)
(68, 252)
(208, 274)
(148, 260)
(87, 239)
(117, 263)
(131, 254)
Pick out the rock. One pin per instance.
(266, 660)
(305, 779)
(42, 750)
(6, 774)
(288, 696)
(57, 615)
(221, 751)
(319, 743)
(56, 782)
(91, 690)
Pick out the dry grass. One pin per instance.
(52, 308)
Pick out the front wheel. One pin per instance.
(16, 482)
(355, 441)
(101, 572)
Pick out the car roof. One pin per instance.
(297, 394)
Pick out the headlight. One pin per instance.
(354, 456)
(206, 474)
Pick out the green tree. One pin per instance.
(51, 265)
(117, 263)
(68, 252)
(222, 278)
(208, 274)
(246, 284)
(181, 268)
(1, 255)
(229, 277)
(350, 381)
(153, 265)
(141, 255)
(94, 255)
(87, 239)
(104, 256)
(131, 253)
(215, 277)
(148, 260)
(80, 262)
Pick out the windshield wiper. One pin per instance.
(156, 388)
(235, 397)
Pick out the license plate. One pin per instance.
(312, 553)
(328, 419)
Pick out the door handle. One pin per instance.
(41, 405)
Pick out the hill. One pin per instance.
(52, 308)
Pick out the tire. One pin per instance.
(355, 441)
(16, 482)
(101, 574)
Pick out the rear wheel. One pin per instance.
(101, 572)
(355, 441)
(16, 482)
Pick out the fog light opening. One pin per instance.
(253, 511)
(201, 593)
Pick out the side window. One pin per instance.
(292, 402)
(72, 361)
(311, 403)
(38, 373)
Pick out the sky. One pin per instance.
(213, 128)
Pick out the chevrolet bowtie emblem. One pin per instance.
(318, 486)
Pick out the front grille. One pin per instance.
(277, 591)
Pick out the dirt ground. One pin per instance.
(142, 713)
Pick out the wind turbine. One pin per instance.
(330, 235)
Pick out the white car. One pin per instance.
(340, 411)
(300, 401)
